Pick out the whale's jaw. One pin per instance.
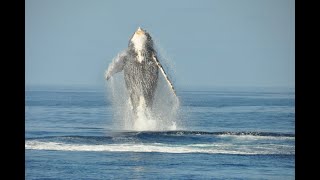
(139, 41)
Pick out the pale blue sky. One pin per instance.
(210, 42)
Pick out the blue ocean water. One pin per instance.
(246, 133)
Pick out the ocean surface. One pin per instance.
(244, 133)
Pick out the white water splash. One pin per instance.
(144, 119)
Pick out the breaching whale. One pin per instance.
(141, 68)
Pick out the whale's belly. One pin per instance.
(141, 79)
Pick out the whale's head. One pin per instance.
(141, 40)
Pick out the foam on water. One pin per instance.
(210, 148)
(184, 142)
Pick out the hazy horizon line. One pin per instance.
(178, 88)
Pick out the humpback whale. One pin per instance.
(141, 68)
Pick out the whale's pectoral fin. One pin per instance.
(154, 57)
(116, 65)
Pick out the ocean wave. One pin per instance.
(172, 142)
(136, 136)
(165, 148)
(251, 133)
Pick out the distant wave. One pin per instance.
(182, 132)
(172, 142)
(216, 133)
(154, 135)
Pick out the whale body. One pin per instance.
(141, 67)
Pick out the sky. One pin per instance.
(207, 43)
